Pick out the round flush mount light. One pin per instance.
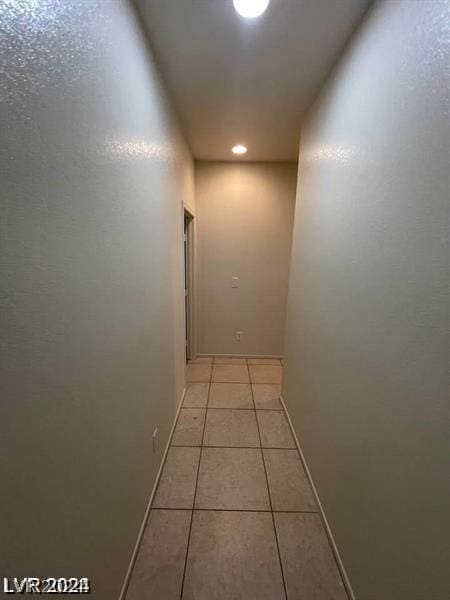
(239, 149)
(250, 8)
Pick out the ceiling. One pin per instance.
(248, 81)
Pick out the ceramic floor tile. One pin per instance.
(267, 396)
(233, 556)
(189, 427)
(198, 372)
(288, 485)
(196, 395)
(264, 361)
(232, 479)
(266, 373)
(309, 567)
(274, 429)
(231, 428)
(201, 360)
(159, 567)
(177, 484)
(231, 395)
(230, 374)
(225, 360)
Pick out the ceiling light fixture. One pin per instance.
(250, 8)
(239, 149)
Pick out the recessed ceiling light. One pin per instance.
(239, 149)
(250, 8)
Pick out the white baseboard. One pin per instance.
(126, 582)
(200, 355)
(337, 556)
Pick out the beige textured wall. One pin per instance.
(367, 349)
(244, 229)
(92, 336)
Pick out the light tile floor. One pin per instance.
(234, 516)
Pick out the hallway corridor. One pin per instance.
(223, 180)
(234, 517)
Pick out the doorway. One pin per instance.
(189, 284)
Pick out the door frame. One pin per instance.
(189, 272)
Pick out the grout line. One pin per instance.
(143, 527)
(229, 408)
(240, 408)
(277, 383)
(244, 356)
(268, 493)
(241, 382)
(321, 512)
(251, 510)
(195, 495)
(237, 447)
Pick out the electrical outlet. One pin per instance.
(155, 440)
(239, 335)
